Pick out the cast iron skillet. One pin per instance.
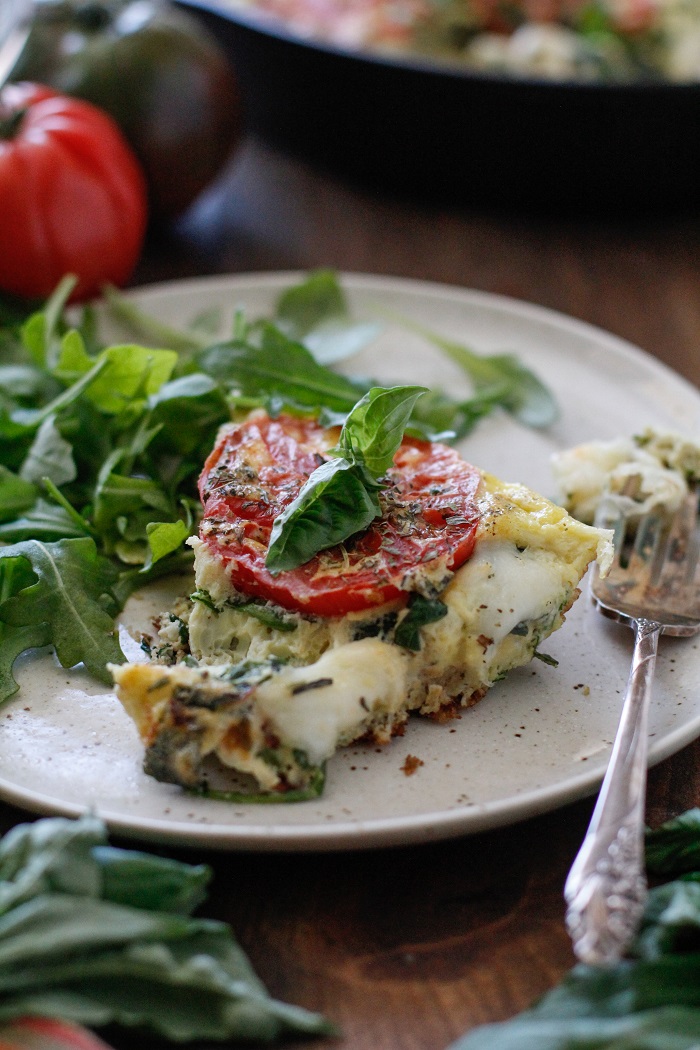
(419, 129)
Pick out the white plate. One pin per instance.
(538, 740)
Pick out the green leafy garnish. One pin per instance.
(71, 593)
(421, 611)
(101, 445)
(341, 497)
(650, 1000)
(98, 935)
(502, 379)
(674, 848)
(316, 314)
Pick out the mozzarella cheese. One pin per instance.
(275, 693)
(635, 474)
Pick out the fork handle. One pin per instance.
(606, 887)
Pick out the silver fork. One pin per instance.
(652, 587)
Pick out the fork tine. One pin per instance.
(651, 547)
(684, 542)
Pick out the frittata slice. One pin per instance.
(277, 688)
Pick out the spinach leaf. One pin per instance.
(421, 611)
(650, 1000)
(675, 846)
(97, 935)
(340, 498)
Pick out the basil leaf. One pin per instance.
(340, 497)
(338, 500)
(421, 611)
(374, 429)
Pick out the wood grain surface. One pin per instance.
(407, 948)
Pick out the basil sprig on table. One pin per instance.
(99, 935)
(340, 497)
(648, 1001)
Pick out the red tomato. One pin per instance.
(72, 195)
(429, 516)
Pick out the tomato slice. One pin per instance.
(428, 523)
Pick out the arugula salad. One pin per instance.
(101, 445)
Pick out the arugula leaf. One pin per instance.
(165, 537)
(42, 330)
(15, 574)
(503, 379)
(129, 372)
(340, 497)
(313, 301)
(188, 411)
(116, 434)
(148, 328)
(96, 935)
(16, 494)
(49, 456)
(43, 521)
(71, 592)
(279, 372)
(13, 642)
(315, 313)
(124, 508)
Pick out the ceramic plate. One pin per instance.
(538, 740)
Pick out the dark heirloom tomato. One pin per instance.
(429, 516)
(72, 195)
(155, 69)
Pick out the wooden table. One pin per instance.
(407, 948)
